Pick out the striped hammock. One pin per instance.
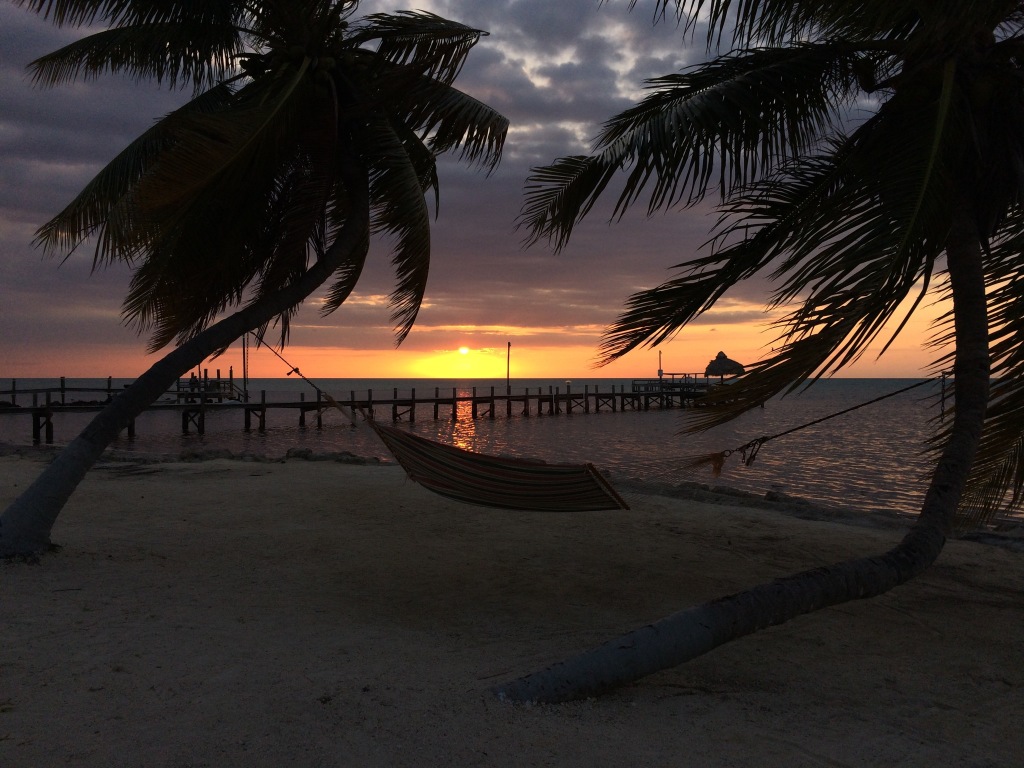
(493, 481)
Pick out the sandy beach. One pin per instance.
(317, 613)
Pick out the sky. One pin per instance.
(493, 307)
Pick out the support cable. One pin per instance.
(748, 451)
(319, 390)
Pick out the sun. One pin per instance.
(462, 362)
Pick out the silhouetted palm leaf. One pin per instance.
(225, 200)
(718, 125)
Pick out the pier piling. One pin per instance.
(192, 400)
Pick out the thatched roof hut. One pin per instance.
(722, 366)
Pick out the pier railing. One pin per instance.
(194, 399)
(676, 382)
(212, 388)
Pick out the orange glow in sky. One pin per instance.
(463, 354)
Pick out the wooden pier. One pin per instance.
(195, 399)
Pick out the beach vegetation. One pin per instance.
(859, 156)
(309, 133)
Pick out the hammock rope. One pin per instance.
(748, 451)
(331, 402)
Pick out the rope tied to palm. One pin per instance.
(748, 451)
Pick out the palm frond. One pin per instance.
(403, 172)
(347, 275)
(720, 125)
(267, 183)
(295, 222)
(164, 52)
(655, 315)
(748, 22)
(454, 121)
(793, 365)
(130, 12)
(430, 44)
(882, 233)
(560, 195)
(788, 212)
(102, 198)
(209, 144)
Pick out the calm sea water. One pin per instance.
(872, 458)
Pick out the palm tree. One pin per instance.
(861, 153)
(308, 132)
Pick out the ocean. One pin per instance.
(873, 458)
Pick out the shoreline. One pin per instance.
(874, 461)
(1006, 532)
(242, 613)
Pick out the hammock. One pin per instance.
(494, 481)
(488, 481)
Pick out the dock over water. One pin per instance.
(195, 399)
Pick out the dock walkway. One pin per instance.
(194, 400)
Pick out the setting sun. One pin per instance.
(463, 350)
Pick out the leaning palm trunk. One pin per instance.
(695, 631)
(26, 524)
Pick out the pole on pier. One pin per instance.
(42, 420)
(49, 421)
(245, 366)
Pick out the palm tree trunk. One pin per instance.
(695, 631)
(26, 524)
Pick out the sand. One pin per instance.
(315, 613)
